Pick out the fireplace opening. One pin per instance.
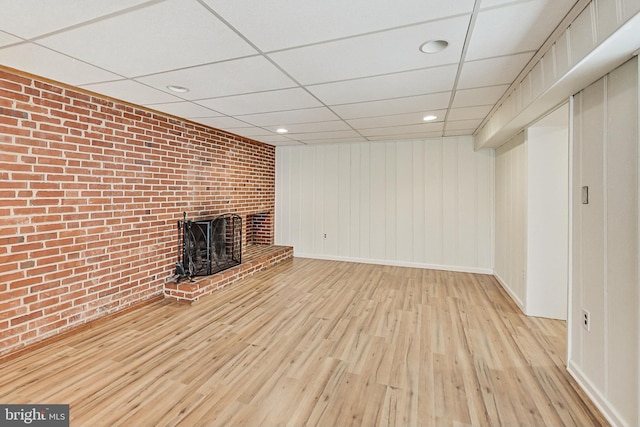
(259, 229)
(211, 245)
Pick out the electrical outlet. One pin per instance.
(586, 319)
(325, 235)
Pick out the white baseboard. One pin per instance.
(456, 268)
(596, 397)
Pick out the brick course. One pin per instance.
(91, 190)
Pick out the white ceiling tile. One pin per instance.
(310, 136)
(164, 36)
(223, 78)
(220, 122)
(283, 143)
(374, 54)
(397, 130)
(278, 24)
(184, 109)
(7, 39)
(336, 125)
(263, 102)
(495, 34)
(306, 115)
(425, 103)
(402, 136)
(394, 120)
(469, 113)
(130, 91)
(30, 18)
(493, 71)
(437, 79)
(275, 139)
(485, 4)
(478, 96)
(463, 124)
(334, 140)
(358, 59)
(252, 132)
(52, 65)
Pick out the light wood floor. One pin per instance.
(312, 342)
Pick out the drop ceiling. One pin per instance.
(331, 71)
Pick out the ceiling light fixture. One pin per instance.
(434, 46)
(179, 89)
(282, 130)
(429, 118)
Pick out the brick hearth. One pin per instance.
(255, 258)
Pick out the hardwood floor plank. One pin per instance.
(315, 343)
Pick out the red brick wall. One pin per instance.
(90, 194)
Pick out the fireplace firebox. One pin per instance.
(211, 245)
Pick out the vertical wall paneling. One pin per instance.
(403, 218)
(592, 230)
(318, 200)
(364, 201)
(450, 202)
(467, 202)
(547, 217)
(355, 188)
(294, 222)
(630, 7)
(607, 17)
(622, 226)
(343, 238)
(605, 358)
(419, 200)
(390, 226)
(434, 206)
(485, 208)
(571, 239)
(575, 345)
(422, 203)
(511, 201)
(532, 216)
(307, 234)
(332, 192)
(378, 174)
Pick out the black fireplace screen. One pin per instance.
(211, 245)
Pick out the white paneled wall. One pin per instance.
(424, 203)
(605, 357)
(548, 218)
(511, 217)
(532, 219)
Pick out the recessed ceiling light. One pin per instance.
(179, 89)
(429, 118)
(282, 130)
(434, 46)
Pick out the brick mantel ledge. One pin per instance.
(256, 258)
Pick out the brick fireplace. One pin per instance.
(260, 228)
(91, 190)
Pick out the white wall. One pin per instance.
(548, 218)
(424, 203)
(604, 247)
(532, 217)
(511, 217)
